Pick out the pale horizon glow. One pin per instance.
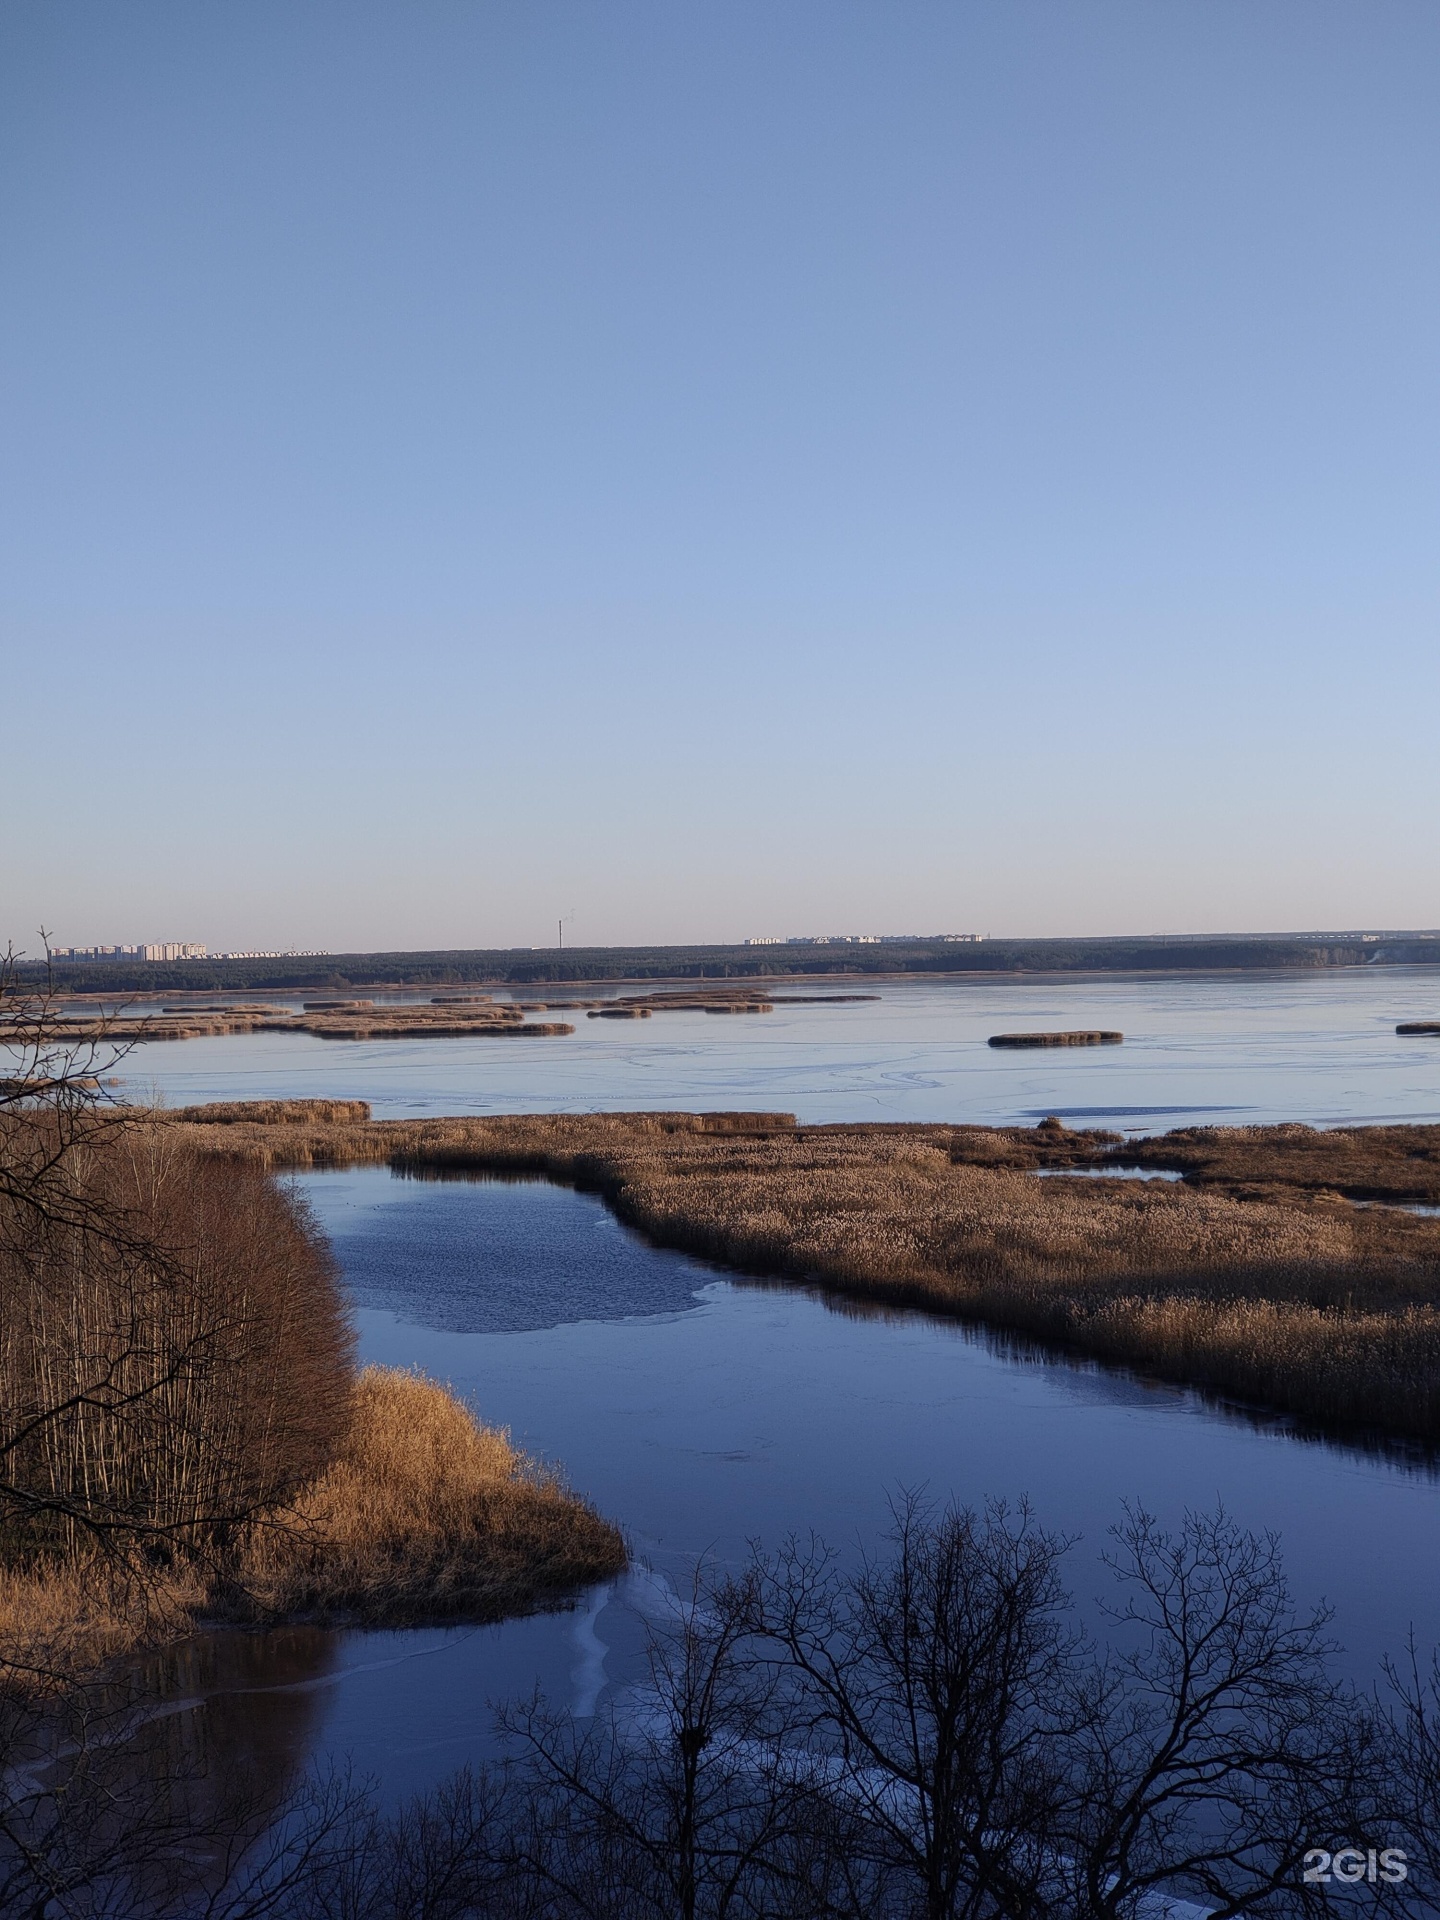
(717, 471)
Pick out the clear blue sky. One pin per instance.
(717, 469)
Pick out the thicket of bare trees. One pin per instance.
(174, 1362)
(930, 1736)
(174, 1355)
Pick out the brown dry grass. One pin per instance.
(281, 1113)
(425, 1515)
(62, 1620)
(335, 1020)
(1256, 1279)
(447, 1016)
(1400, 1165)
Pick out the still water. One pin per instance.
(703, 1413)
(1225, 1048)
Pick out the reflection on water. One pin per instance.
(153, 1782)
(241, 1714)
(1107, 1173)
(703, 1414)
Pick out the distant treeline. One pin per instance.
(525, 966)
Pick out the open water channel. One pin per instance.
(703, 1412)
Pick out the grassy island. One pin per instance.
(1081, 1038)
(444, 1017)
(330, 1020)
(424, 1515)
(1283, 1268)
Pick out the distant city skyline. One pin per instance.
(167, 950)
(705, 472)
(173, 951)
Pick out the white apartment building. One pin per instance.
(161, 950)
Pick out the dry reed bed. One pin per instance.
(62, 1620)
(1399, 1165)
(423, 1516)
(444, 1017)
(357, 1020)
(1077, 1037)
(1260, 1282)
(734, 999)
(723, 999)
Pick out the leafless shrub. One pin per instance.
(1216, 1749)
(684, 1802)
(926, 1737)
(940, 1686)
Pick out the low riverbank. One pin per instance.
(425, 1516)
(1282, 1269)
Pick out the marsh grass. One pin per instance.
(1397, 1164)
(446, 1016)
(63, 1619)
(280, 1113)
(1254, 1278)
(424, 1515)
(327, 1020)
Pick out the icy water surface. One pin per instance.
(1226, 1048)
